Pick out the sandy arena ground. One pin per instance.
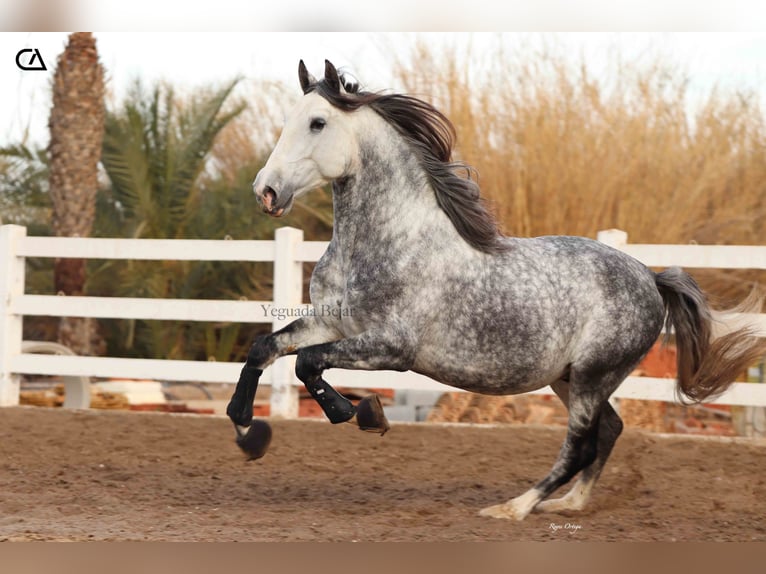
(107, 475)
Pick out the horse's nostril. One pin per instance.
(269, 197)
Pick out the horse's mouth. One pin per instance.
(275, 211)
(270, 206)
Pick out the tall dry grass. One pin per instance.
(560, 151)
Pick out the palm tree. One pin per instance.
(76, 132)
(184, 169)
(155, 149)
(24, 197)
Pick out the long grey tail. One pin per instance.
(706, 366)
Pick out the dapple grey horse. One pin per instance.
(420, 279)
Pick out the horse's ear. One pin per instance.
(331, 76)
(307, 80)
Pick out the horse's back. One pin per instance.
(617, 296)
(606, 298)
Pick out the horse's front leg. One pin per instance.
(372, 351)
(264, 351)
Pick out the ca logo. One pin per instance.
(33, 63)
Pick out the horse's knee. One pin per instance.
(262, 351)
(308, 367)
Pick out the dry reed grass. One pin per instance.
(560, 151)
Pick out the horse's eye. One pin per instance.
(317, 124)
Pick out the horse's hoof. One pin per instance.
(370, 416)
(240, 415)
(255, 442)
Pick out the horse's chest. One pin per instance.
(357, 295)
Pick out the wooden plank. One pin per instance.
(650, 388)
(147, 369)
(647, 388)
(699, 256)
(695, 256)
(144, 308)
(147, 249)
(311, 250)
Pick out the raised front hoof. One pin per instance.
(255, 442)
(370, 416)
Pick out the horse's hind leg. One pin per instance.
(609, 429)
(587, 398)
(372, 350)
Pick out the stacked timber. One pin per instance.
(54, 397)
(516, 409)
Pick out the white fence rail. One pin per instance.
(288, 251)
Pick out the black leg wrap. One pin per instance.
(336, 407)
(240, 408)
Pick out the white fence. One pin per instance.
(288, 251)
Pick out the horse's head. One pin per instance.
(316, 146)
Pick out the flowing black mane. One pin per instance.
(433, 137)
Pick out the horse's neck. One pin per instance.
(388, 202)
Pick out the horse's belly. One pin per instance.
(495, 375)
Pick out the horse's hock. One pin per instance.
(76, 389)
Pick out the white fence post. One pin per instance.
(11, 286)
(288, 294)
(613, 238)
